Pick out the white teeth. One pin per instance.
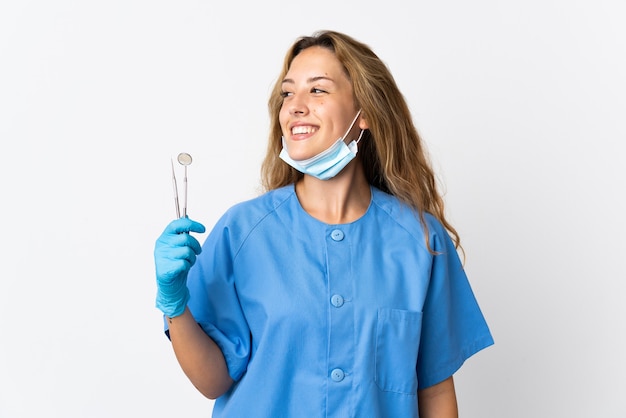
(302, 130)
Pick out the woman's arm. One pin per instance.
(438, 401)
(199, 357)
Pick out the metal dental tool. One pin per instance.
(184, 159)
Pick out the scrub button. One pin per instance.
(337, 235)
(337, 375)
(337, 301)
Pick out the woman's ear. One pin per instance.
(363, 122)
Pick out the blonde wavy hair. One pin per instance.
(391, 150)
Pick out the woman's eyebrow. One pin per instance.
(309, 80)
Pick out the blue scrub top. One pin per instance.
(322, 320)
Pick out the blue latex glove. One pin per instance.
(174, 253)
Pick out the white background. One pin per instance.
(522, 105)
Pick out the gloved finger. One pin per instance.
(173, 262)
(182, 225)
(166, 254)
(168, 272)
(193, 244)
(169, 241)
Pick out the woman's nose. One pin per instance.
(297, 106)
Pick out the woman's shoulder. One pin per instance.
(247, 213)
(406, 216)
(263, 203)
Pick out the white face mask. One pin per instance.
(328, 163)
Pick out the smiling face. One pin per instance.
(318, 103)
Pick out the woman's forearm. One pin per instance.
(198, 355)
(438, 401)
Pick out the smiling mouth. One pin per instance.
(299, 130)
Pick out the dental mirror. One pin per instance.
(184, 159)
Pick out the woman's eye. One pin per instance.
(284, 94)
(316, 90)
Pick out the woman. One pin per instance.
(339, 291)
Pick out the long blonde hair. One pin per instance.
(392, 152)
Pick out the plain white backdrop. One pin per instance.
(522, 105)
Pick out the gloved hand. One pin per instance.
(174, 253)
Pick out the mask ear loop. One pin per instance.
(360, 136)
(351, 125)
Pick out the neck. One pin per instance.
(342, 199)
